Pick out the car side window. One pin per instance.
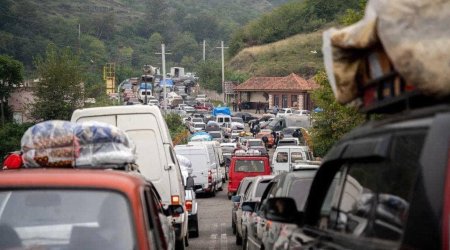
(282, 157)
(247, 191)
(371, 199)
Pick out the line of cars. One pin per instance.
(149, 203)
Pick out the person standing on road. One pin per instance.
(239, 106)
(265, 108)
(258, 108)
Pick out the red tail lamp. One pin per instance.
(13, 161)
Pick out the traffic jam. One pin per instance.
(113, 178)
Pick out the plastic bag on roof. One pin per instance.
(414, 35)
(65, 144)
(103, 144)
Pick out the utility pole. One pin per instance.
(79, 39)
(223, 70)
(204, 46)
(163, 59)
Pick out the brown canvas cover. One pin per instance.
(414, 34)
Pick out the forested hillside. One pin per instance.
(125, 31)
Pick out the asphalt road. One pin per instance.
(214, 223)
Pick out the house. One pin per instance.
(291, 91)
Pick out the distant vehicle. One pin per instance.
(252, 143)
(284, 112)
(285, 157)
(212, 126)
(204, 167)
(246, 164)
(245, 116)
(295, 185)
(189, 109)
(146, 126)
(237, 119)
(216, 135)
(197, 127)
(288, 142)
(245, 215)
(301, 112)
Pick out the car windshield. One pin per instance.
(197, 120)
(251, 143)
(54, 218)
(199, 125)
(227, 149)
(249, 166)
(237, 119)
(215, 135)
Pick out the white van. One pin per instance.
(156, 158)
(285, 157)
(223, 119)
(220, 162)
(204, 168)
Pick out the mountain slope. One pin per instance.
(299, 54)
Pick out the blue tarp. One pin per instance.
(169, 83)
(201, 136)
(149, 85)
(221, 110)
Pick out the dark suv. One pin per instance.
(385, 185)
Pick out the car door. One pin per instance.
(256, 235)
(367, 202)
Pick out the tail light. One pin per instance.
(209, 176)
(175, 200)
(188, 205)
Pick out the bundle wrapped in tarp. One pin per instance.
(411, 34)
(66, 144)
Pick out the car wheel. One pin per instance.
(213, 193)
(244, 243)
(196, 232)
(180, 244)
(186, 241)
(233, 226)
(238, 239)
(229, 196)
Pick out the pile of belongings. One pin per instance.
(66, 144)
(410, 35)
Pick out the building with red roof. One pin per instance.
(291, 91)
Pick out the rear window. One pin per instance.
(54, 219)
(255, 143)
(215, 135)
(199, 125)
(249, 166)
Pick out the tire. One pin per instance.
(195, 234)
(233, 226)
(180, 244)
(229, 196)
(186, 240)
(238, 239)
(244, 243)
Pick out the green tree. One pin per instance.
(210, 74)
(60, 89)
(10, 136)
(334, 121)
(11, 74)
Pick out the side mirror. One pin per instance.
(249, 206)
(236, 198)
(282, 209)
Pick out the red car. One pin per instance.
(246, 165)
